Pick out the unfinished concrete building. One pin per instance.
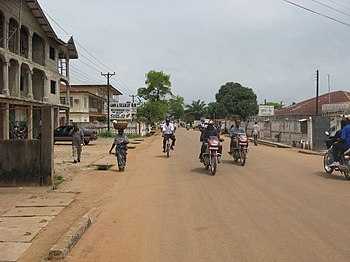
(34, 63)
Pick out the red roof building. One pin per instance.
(308, 107)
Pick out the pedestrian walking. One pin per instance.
(120, 144)
(255, 133)
(77, 142)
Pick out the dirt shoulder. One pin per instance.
(91, 187)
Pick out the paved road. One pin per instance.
(279, 207)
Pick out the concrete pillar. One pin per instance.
(46, 89)
(47, 150)
(30, 122)
(30, 84)
(68, 94)
(4, 121)
(5, 73)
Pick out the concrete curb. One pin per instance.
(65, 244)
(310, 152)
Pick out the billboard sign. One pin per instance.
(266, 110)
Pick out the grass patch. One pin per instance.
(106, 134)
(133, 136)
(57, 179)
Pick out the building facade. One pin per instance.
(34, 63)
(88, 102)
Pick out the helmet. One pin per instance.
(167, 120)
(344, 122)
(211, 122)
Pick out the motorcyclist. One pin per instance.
(335, 138)
(234, 131)
(207, 132)
(342, 144)
(168, 132)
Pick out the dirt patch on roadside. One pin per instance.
(90, 185)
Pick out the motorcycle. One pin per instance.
(344, 167)
(211, 157)
(239, 153)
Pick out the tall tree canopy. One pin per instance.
(158, 86)
(176, 107)
(216, 110)
(237, 99)
(158, 100)
(196, 109)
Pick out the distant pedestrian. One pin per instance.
(255, 132)
(77, 142)
(120, 142)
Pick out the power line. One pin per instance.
(301, 92)
(99, 61)
(317, 13)
(339, 4)
(334, 9)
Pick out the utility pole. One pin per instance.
(329, 89)
(317, 85)
(133, 98)
(108, 76)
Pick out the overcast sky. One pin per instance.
(270, 46)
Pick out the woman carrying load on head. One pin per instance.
(120, 142)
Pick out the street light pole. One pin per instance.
(108, 76)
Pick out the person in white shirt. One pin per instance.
(168, 132)
(255, 132)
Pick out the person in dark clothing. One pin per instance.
(343, 144)
(207, 132)
(336, 138)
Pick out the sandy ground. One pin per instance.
(89, 184)
(281, 206)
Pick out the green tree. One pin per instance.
(152, 112)
(158, 86)
(216, 110)
(237, 99)
(275, 105)
(176, 107)
(196, 109)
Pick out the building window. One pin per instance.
(2, 29)
(71, 101)
(53, 87)
(63, 100)
(52, 53)
(21, 84)
(76, 101)
(13, 35)
(303, 127)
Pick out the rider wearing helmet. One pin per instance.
(209, 131)
(234, 131)
(339, 145)
(168, 132)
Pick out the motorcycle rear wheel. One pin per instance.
(346, 173)
(213, 166)
(329, 170)
(167, 149)
(243, 157)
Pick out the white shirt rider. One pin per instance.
(168, 129)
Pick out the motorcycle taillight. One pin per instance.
(243, 138)
(213, 143)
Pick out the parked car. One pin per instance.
(62, 134)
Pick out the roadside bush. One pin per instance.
(106, 134)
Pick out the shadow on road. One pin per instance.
(201, 170)
(334, 176)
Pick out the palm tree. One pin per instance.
(196, 109)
